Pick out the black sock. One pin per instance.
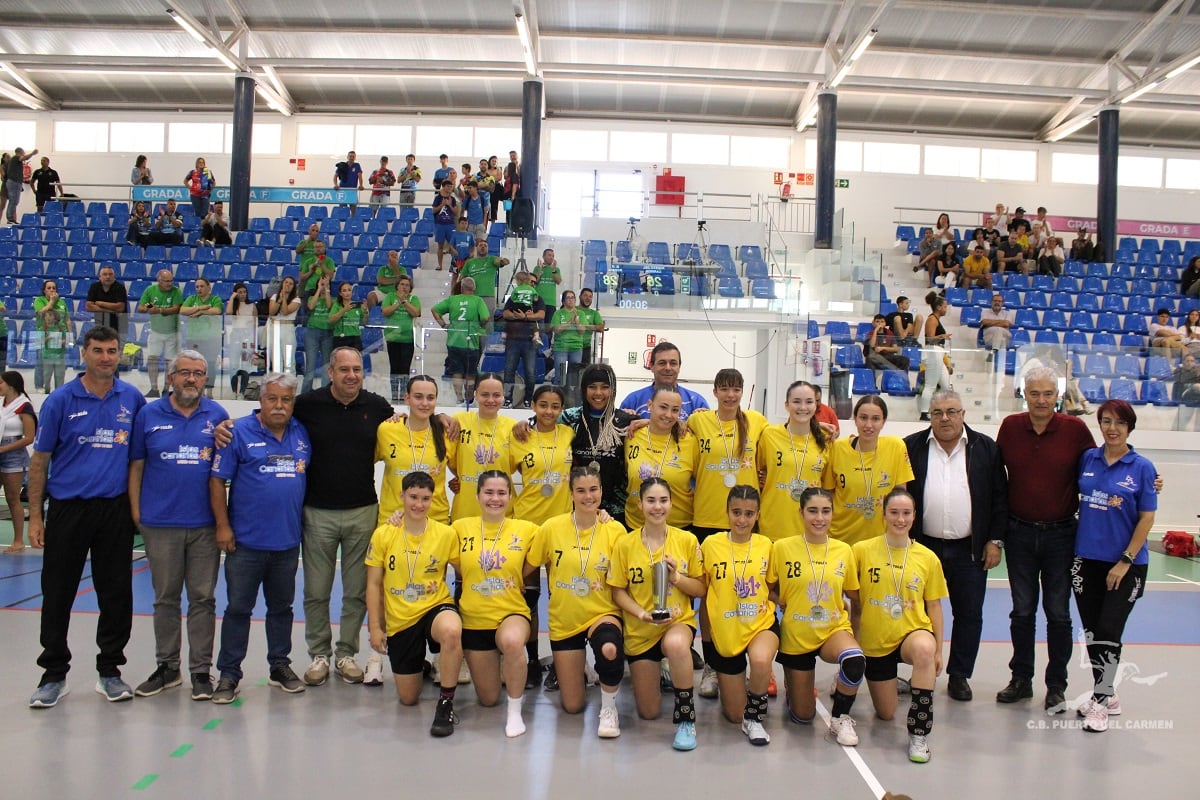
(920, 712)
(756, 707)
(531, 650)
(448, 693)
(685, 710)
(842, 703)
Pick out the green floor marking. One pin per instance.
(211, 724)
(261, 682)
(237, 701)
(145, 782)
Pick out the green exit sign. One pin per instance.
(843, 183)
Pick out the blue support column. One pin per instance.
(826, 154)
(239, 170)
(1109, 146)
(531, 146)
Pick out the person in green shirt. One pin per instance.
(162, 301)
(318, 333)
(315, 266)
(385, 279)
(53, 324)
(570, 334)
(463, 316)
(305, 246)
(203, 329)
(485, 270)
(346, 319)
(547, 278)
(593, 321)
(400, 307)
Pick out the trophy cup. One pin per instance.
(662, 588)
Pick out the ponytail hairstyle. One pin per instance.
(435, 423)
(731, 378)
(814, 427)
(894, 493)
(814, 491)
(654, 480)
(489, 474)
(742, 491)
(677, 430)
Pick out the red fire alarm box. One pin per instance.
(668, 190)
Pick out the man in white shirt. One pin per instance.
(961, 494)
(1163, 335)
(1050, 257)
(996, 323)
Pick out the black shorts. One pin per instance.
(576, 642)
(406, 648)
(461, 361)
(655, 653)
(733, 665)
(883, 668)
(801, 662)
(483, 639)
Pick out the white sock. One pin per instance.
(608, 699)
(514, 726)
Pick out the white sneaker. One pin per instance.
(1114, 706)
(843, 728)
(435, 674)
(318, 671)
(918, 748)
(903, 686)
(610, 724)
(374, 672)
(755, 732)
(1096, 719)
(708, 683)
(464, 674)
(590, 676)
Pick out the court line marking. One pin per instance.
(857, 760)
(1184, 580)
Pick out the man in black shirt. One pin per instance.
(107, 300)
(45, 183)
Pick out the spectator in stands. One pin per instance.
(942, 231)
(409, 177)
(990, 235)
(904, 327)
(214, 230)
(665, 361)
(400, 309)
(946, 269)
(445, 212)
(286, 303)
(54, 325)
(977, 269)
(936, 361)
(996, 323)
(385, 280)
(929, 248)
(1164, 337)
(108, 301)
(381, 180)
(346, 318)
(497, 180)
(1186, 392)
(14, 180)
(594, 322)
(1041, 219)
(200, 183)
(1189, 279)
(465, 318)
(3, 337)
(1010, 255)
(524, 312)
(880, 348)
(162, 300)
(18, 421)
(485, 269)
(3, 181)
(1191, 331)
(452, 179)
(467, 177)
(168, 225)
(141, 225)
(570, 329)
(203, 332)
(315, 267)
(826, 417)
(512, 178)
(462, 245)
(46, 184)
(547, 278)
(140, 175)
(318, 332)
(979, 239)
(241, 336)
(1018, 224)
(999, 220)
(1081, 246)
(1050, 258)
(475, 210)
(348, 174)
(305, 246)
(443, 171)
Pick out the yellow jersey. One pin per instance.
(894, 584)
(740, 576)
(859, 482)
(649, 455)
(403, 451)
(719, 465)
(577, 565)
(791, 464)
(544, 461)
(812, 583)
(414, 571)
(631, 570)
(491, 560)
(482, 445)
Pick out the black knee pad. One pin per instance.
(532, 593)
(852, 664)
(610, 670)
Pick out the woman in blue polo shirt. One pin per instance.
(1116, 512)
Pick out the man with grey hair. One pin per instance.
(996, 323)
(162, 300)
(960, 490)
(170, 459)
(258, 524)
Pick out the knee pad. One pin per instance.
(851, 666)
(610, 670)
(532, 593)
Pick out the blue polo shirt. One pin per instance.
(474, 209)
(348, 178)
(87, 438)
(1110, 499)
(462, 242)
(440, 175)
(639, 401)
(178, 451)
(266, 483)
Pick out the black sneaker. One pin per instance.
(162, 678)
(226, 693)
(551, 682)
(202, 686)
(283, 677)
(1017, 689)
(533, 677)
(443, 718)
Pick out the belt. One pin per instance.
(942, 541)
(1043, 526)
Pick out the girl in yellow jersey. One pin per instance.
(740, 574)
(408, 601)
(577, 549)
(791, 457)
(544, 460)
(898, 616)
(482, 444)
(862, 470)
(492, 549)
(416, 444)
(663, 449)
(651, 636)
(815, 572)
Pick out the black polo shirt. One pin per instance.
(341, 473)
(114, 294)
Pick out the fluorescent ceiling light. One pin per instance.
(1069, 129)
(863, 45)
(1184, 67)
(205, 39)
(187, 25)
(840, 75)
(1135, 94)
(526, 44)
(25, 99)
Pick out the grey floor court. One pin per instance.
(350, 741)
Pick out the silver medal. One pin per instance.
(484, 590)
(731, 479)
(868, 513)
(896, 611)
(818, 614)
(581, 586)
(594, 466)
(547, 490)
(411, 593)
(797, 493)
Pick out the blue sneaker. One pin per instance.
(114, 689)
(48, 694)
(685, 736)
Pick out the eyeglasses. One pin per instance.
(191, 373)
(949, 413)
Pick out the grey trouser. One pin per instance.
(182, 557)
(324, 531)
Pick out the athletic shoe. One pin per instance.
(550, 684)
(202, 686)
(48, 694)
(610, 724)
(283, 677)
(918, 749)
(1114, 706)
(162, 678)
(843, 728)
(226, 693)
(114, 689)
(685, 736)
(697, 660)
(1096, 718)
(533, 675)
(318, 671)
(349, 670)
(755, 732)
(443, 718)
(708, 683)
(590, 676)
(374, 672)
(903, 686)
(772, 689)
(464, 674)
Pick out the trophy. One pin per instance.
(662, 588)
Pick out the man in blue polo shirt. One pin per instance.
(475, 210)
(348, 174)
(170, 461)
(445, 212)
(258, 527)
(664, 363)
(81, 461)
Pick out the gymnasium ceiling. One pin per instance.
(1020, 69)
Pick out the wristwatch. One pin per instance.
(998, 542)
(1127, 557)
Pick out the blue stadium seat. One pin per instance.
(1042, 283)
(1036, 299)
(730, 287)
(658, 253)
(410, 259)
(716, 251)
(981, 297)
(420, 243)
(358, 258)
(752, 252)
(31, 268)
(1113, 302)
(1105, 342)
(762, 288)
(756, 270)
(1074, 269)
(279, 255)
(1047, 336)
(1123, 389)
(245, 238)
(1097, 365)
(862, 381)
(1156, 393)
(1158, 368)
(411, 214)
(1018, 281)
(1109, 321)
(623, 251)
(1128, 365)
(57, 269)
(957, 296)
(30, 250)
(1062, 301)
(1075, 341)
(1056, 320)
(1092, 389)
(238, 272)
(424, 226)
(970, 316)
(1087, 302)
(1026, 318)
(895, 383)
(186, 271)
(212, 271)
(838, 331)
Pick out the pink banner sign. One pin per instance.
(1125, 227)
